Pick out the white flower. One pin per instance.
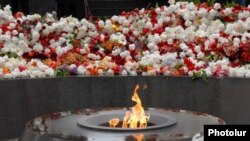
(182, 54)
(38, 47)
(188, 23)
(133, 73)
(141, 11)
(169, 59)
(200, 55)
(228, 11)
(12, 25)
(125, 30)
(240, 72)
(118, 37)
(101, 23)
(72, 66)
(171, 1)
(132, 47)
(197, 49)
(217, 6)
(151, 59)
(116, 52)
(189, 53)
(184, 47)
(125, 54)
(59, 51)
(151, 45)
(149, 25)
(94, 56)
(114, 18)
(236, 42)
(124, 73)
(102, 37)
(81, 70)
(36, 73)
(202, 12)
(163, 36)
(14, 32)
(110, 72)
(14, 40)
(190, 73)
(49, 72)
(35, 37)
(100, 72)
(62, 40)
(170, 41)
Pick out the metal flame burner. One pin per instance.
(84, 125)
(99, 121)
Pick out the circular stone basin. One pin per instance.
(99, 121)
(64, 126)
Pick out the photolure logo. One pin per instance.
(236, 132)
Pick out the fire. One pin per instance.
(139, 137)
(114, 122)
(135, 119)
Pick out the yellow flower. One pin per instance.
(115, 27)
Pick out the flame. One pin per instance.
(114, 122)
(135, 119)
(139, 137)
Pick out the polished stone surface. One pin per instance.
(63, 127)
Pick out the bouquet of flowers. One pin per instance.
(182, 39)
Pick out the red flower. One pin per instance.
(116, 70)
(118, 60)
(1, 45)
(18, 15)
(219, 71)
(4, 27)
(52, 64)
(159, 30)
(235, 63)
(245, 56)
(145, 31)
(153, 17)
(190, 65)
(21, 68)
(245, 49)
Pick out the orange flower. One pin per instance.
(34, 64)
(93, 71)
(6, 70)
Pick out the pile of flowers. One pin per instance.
(176, 40)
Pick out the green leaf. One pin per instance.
(12, 55)
(210, 2)
(197, 1)
(105, 18)
(177, 66)
(71, 40)
(99, 46)
(157, 5)
(201, 74)
(196, 75)
(230, 4)
(2, 54)
(61, 73)
(204, 76)
(9, 54)
(209, 57)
